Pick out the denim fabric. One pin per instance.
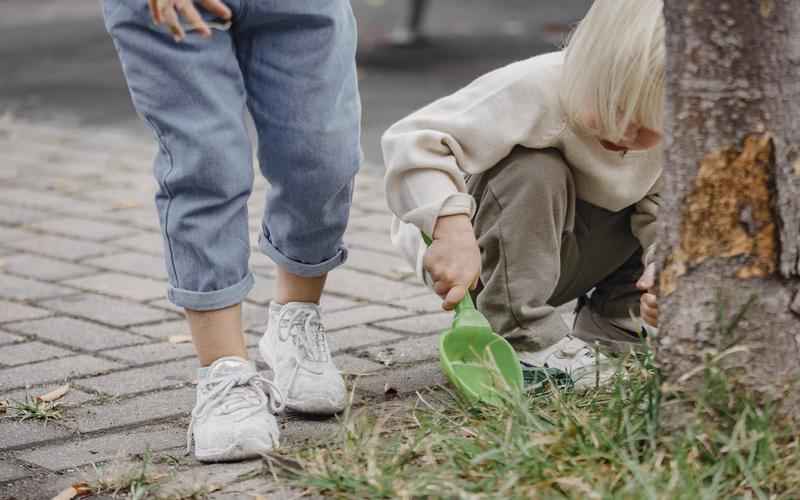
(291, 64)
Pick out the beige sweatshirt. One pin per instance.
(470, 131)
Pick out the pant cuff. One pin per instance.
(210, 301)
(300, 268)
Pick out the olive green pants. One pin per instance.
(541, 247)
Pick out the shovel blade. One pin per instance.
(479, 363)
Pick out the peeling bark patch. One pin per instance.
(729, 213)
(767, 8)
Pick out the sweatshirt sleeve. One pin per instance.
(468, 132)
(643, 221)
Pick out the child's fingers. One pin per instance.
(170, 18)
(217, 8)
(650, 300)
(195, 19)
(154, 13)
(441, 288)
(453, 297)
(648, 279)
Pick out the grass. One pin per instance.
(143, 479)
(33, 408)
(629, 441)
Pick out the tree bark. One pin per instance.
(730, 225)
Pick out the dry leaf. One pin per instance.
(121, 205)
(179, 339)
(76, 490)
(576, 483)
(55, 394)
(3, 406)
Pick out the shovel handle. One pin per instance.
(466, 303)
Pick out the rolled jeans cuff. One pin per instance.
(301, 268)
(210, 301)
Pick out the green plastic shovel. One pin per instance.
(477, 361)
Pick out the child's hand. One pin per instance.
(648, 303)
(168, 12)
(453, 259)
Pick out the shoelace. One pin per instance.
(224, 385)
(305, 330)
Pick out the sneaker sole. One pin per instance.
(252, 448)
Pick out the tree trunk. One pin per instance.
(730, 224)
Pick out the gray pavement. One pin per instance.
(81, 274)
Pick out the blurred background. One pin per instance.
(57, 63)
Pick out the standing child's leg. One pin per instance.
(193, 97)
(298, 60)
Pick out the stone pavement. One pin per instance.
(82, 301)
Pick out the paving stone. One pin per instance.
(53, 370)
(29, 352)
(9, 235)
(425, 303)
(115, 312)
(358, 336)
(26, 289)
(133, 263)
(136, 410)
(330, 303)
(76, 333)
(14, 215)
(370, 240)
(421, 324)
(410, 350)
(361, 315)
(378, 222)
(368, 286)
(121, 285)
(7, 338)
(80, 452)
(10, 311)
(13, 433)
(166, 304)
(87, 229)
(352, 365)
(263, 291)
(50, 201)
(143, 379)
(140, 218)
(43, 268)
(390, 266)
(164, 330)
(10, 470)
(73, 397)
(255, 317)
(58, 246)
(149, 353)
(299, 429)
(404, 380)
(146, 242)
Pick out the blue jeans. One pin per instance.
(291, 63)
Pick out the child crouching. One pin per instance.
(539, 184)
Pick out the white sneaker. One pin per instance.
(232, 419)
(576, 358)
(296, 349)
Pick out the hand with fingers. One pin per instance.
(648, 303)
(169, 12)
(453, 260)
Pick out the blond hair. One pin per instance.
(614, 68)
